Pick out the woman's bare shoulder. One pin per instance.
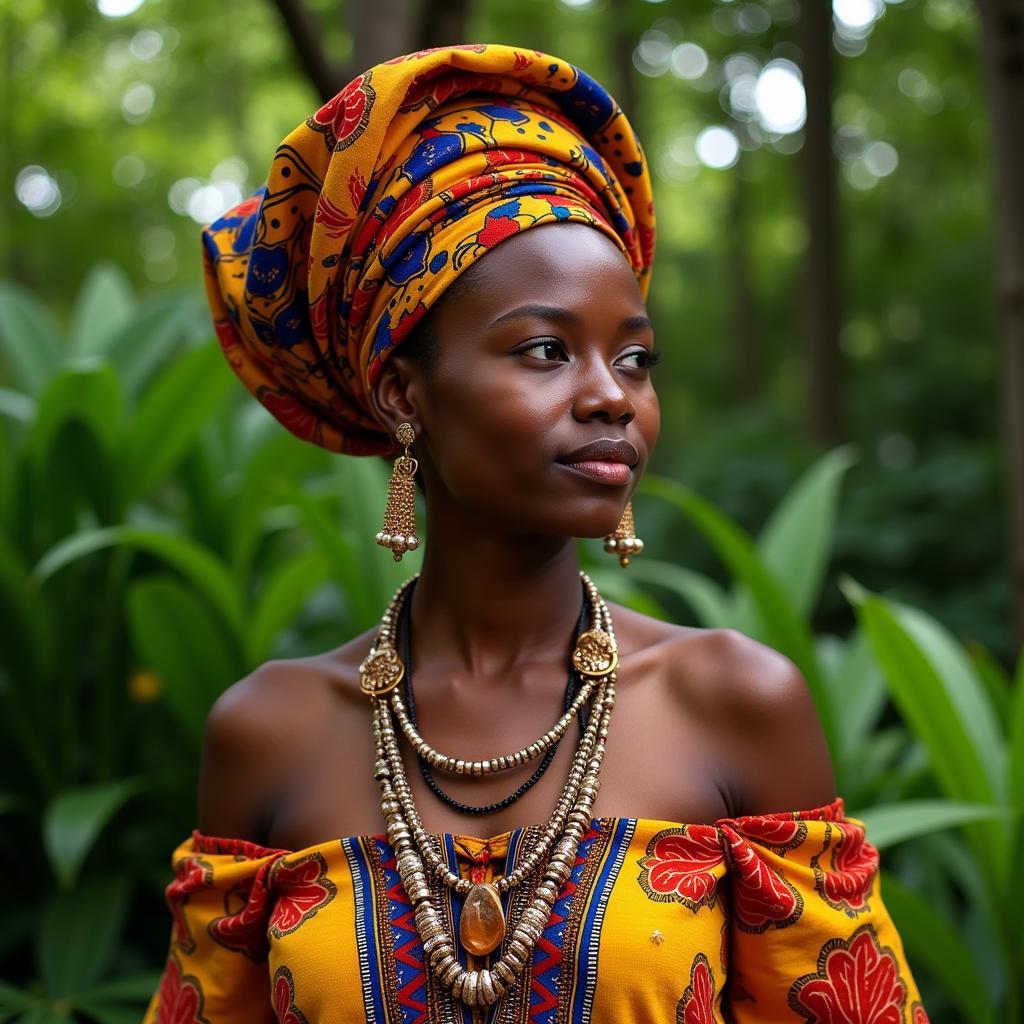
(260, 726)
(751, 698)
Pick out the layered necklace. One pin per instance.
(482, 926)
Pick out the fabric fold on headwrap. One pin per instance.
(385, 195)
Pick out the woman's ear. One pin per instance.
(398, 393)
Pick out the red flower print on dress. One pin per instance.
(180, 998)
(302, 888)
(344, 117)
(917, 1014)
(284, 998)
(244, 928)
(192, 874)
(697, 1005)
(846, 885)
(857, 982)
(761, 897)
(680, 866)
(776, 832)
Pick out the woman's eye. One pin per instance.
(640, 359)
(546, 350)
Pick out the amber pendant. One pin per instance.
(482, 922)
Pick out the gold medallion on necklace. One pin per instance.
(482, 921)
(595, 653)
(381, 671)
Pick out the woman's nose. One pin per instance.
(599, 396)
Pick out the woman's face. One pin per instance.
(538, 412)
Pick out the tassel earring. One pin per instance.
(399, 532)
(624, 542)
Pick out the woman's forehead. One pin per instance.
(570, 262)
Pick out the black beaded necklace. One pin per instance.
(404, 630)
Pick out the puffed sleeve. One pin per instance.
(810, 938)
(216, 969)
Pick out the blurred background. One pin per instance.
(839, 295)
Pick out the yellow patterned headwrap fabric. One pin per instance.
(376, 203)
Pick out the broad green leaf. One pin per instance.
(932, 941)
(965, 691)
(104, 303)
(184, 646)
(142, 345)
(203, 569)
(108, 1013)
(616, 587)
(286, 590)
(995, 679)
(1017, 733)
(782, 628)
(26, 625)
(920, 694)
(74, 819)
(361, 486)
(279, 460)
(30, 342)
(172, 413)
(897, 822)
(339, 555)
(17, 406)
(13, 998)
(702, 595)
(79, 933)
(926, 706)
(58, 1012)
(796, 542)
(128, 989)
(858, 697)
(88, 392)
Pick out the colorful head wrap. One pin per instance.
(385, 195)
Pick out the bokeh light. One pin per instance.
(717, 147)
(779, 97)
(37, 190)
(118, 8)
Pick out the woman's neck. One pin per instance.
(486, 601)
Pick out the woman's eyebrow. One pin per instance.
(541, 312)
(566, 316)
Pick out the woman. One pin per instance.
(474, 872)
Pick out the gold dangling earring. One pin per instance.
(624, 542)
(399, 532)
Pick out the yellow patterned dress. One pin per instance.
(765, 918)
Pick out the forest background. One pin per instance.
(839, 294)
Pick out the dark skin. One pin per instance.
(708, 723)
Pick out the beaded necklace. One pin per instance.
(482, 924)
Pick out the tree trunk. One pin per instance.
(623, 40)
(820, 302)
(746, 347)
(442, 22)
(309, 49)
(1002, 24)
(381, 29)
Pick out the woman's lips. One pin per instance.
(615, 473)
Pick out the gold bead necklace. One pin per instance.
(482, 924)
